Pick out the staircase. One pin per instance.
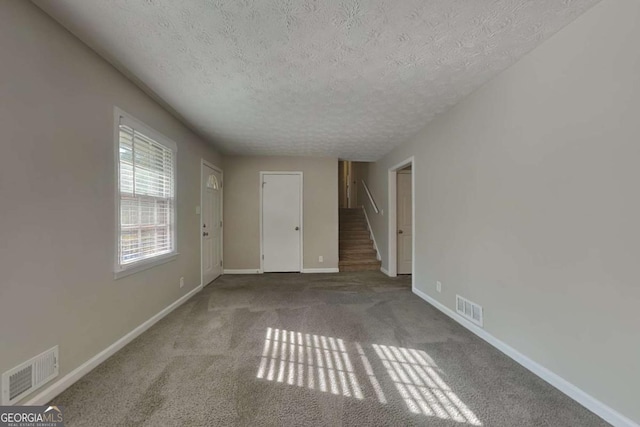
(356, 247)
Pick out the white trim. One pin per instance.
(68, 380)
(262, 174)
(119, 270)
(373, 237)
(392, 256)
(320, 270)
(242, 271)
(128, 120)
(204, 163)
(594, 405)
(145, 265)
(385, 271)
(133, 122)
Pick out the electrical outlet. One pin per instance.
(438, 286)
(320, 258)
(181, 282)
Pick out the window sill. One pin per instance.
(144, 265)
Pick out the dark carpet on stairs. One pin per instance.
(313, 350)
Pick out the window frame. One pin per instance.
(122, 270)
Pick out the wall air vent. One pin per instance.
(29, 376)
(469, 310)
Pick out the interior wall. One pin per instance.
(242, 209)
(57, 197)
(527, 203)
(359, 172)
(342, 187)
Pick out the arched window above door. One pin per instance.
(213, 183)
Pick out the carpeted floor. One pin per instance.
(327, 349)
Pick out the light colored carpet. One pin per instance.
(329, 350)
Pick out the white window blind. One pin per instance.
(147, 196)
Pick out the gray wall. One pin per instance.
(242, 209)
(357, 169)
(527, 203)
(57, 197)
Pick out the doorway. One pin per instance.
(281, 221)
(404, 221)
(401, 216)
(211, 222)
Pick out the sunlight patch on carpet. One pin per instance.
(323, 363)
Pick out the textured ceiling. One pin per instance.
(349, 78)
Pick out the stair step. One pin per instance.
(352, 220)
(360, 266)
(354, 234)
(356, 242)
(363, 248)
(358, 256)
(349, 247)
(358, 261)
(356, 250)
(362, 227)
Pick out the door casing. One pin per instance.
(392, 181)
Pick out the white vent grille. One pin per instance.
(469, 310)
(29, 376)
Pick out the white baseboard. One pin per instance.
(68, 380)
(242, 271)
(385, 271)
(320, 270)
(373, 237)
(594, 405)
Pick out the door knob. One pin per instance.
(204, 233)
(297, 228)
(399, 231)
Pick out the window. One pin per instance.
(146, 195)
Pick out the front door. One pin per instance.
(211, 224)
(281, 221)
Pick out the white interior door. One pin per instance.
(211, 224)
(281, 221)
(405, 227)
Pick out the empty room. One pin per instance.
(319, 213)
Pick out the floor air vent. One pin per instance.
(29, 376)
(469, 310)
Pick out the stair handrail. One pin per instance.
(373, 202)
